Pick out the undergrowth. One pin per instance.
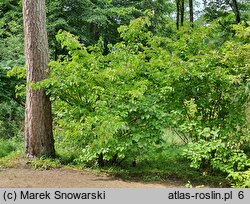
(167, 164)
(8, 146)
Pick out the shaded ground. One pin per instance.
(23, 175)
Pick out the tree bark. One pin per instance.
(191, 13)
(177, 14)
(182, 12)
(234, 6)
(38, 119)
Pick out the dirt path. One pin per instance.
(25, 176)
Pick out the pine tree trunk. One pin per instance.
(38, 120)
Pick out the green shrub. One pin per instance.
(109, 106)
(213, 118)
(241, 179)
(114, 107)
(10, 145)
(11, 119)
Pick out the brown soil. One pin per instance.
(24, 176)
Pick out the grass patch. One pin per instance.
(62, 159)
(44, 163)
(10, 161)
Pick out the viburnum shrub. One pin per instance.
(108, 106)
(116, 106)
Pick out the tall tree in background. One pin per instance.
(38, 120)
(191, 13)
(180, 13)
(177, 14)
(221, 8)
(234, 6)
(182, 4)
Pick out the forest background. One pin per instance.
(146, 88)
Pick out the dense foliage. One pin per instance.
(11, 55)
(115, 107)
(90, 20)
(123, 74)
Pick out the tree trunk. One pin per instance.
(182, 12)
(234, 6)
(38, 120)
(191, 13)
(177, 14)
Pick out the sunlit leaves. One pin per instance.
(118, 104)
